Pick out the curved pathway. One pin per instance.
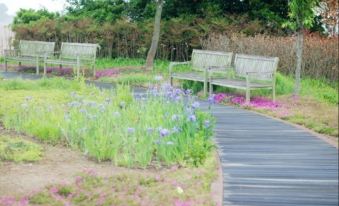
(268, 162)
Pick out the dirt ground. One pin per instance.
(61, 165)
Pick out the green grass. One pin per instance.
(160, 66)
(19, 150)
(319, 90)
(108, 125)
(135, 79)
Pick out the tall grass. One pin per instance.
(164, 127)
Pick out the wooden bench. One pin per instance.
(73, 54)
(200, 62)
(29, 51)
(251, 72)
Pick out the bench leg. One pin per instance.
(205, 88)
(37, 66)
(211, 90)
(45, 69)
(247, 96)
(6, 65)
(273, 94)
(93, 67)
(171, 81)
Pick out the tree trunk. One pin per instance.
(155, 38)
(299, 54)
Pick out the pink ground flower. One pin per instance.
(7, 201)
(183, 203)
(255, 102)
(106, 73)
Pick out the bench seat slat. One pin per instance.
(201, 61)
(61, 61)
(22, 58)
(195, 76)
(239, 84)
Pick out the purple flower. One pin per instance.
(164, 132)
(130, 130)
(195, 105)
(82, 110)
(207, 123)
(149, 130)
(175, 130)
(192, 118)
(211, 99)
(175, 117)
(188, 92)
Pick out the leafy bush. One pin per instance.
(18, 150)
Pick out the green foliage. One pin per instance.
(111, 125)
(301, 14)
(136, 79)
(101, 11)
(17, 149)
(26, 16)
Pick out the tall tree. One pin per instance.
(156, 35)
(301, 16)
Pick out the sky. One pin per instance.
(8, 8)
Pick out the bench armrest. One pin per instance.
(172, 64)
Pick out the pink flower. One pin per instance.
(183, 203)
(7, 201)
(53, 190)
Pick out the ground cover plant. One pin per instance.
(19, 150)
(165, 127)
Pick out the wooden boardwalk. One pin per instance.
(266, 162)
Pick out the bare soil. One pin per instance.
(61, 165)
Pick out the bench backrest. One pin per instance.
(202, 59)
(265, 66)
(84, 51)
(36, 48)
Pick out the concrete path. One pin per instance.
(266, 162)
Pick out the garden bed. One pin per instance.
(162, 140)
